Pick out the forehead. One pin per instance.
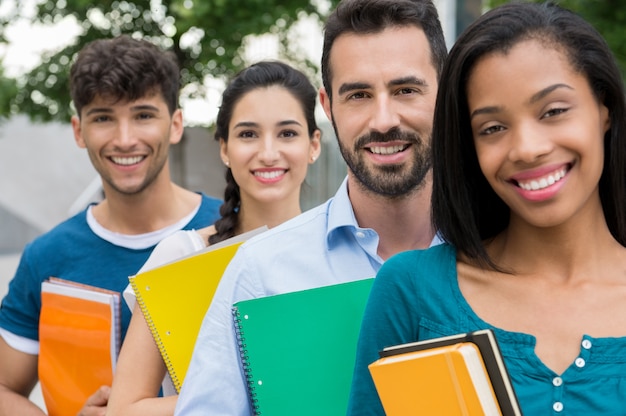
(395, 52)
(153, 97)
(529, 65)
(254, 105)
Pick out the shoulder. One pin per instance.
(73, 230)
(305, 229)
(209, 202)
(173, 247)
(208, 212)
(435, 260)
(206, 232)
(433, 255)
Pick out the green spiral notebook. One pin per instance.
(298, 348)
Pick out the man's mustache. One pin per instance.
(394, 134)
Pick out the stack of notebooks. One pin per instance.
(457, 375)
(79, 340)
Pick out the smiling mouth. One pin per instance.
(127, 161)
(271, 174)
(387, 150)
(543, 182)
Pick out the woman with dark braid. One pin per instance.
(268, 136)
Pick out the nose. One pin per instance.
(269, 151)
(125, 136)
(529, 143)
(384, 115)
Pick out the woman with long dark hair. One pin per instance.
(268, 136)
(529, 188)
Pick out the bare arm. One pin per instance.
(139, 374)
(18, 377)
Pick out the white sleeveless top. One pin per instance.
(177, 245)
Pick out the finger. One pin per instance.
(100, 397)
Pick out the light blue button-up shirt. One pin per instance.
(320, 247)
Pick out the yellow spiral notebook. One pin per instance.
(175, 297)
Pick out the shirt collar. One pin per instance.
(341, 217)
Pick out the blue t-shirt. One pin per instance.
(416, 296)
(72, 251)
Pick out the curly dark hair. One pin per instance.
(124, 69)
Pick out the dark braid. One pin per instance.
(260, 75)
(229, 211)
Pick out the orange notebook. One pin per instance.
(79, 339)
(449, 380)
(462, 374)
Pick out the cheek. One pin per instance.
(348, 121)
(239, 155)
(299, 158)
(598, 149)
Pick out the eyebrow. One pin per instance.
(408, 80)
(546, 91)
(253, 124)
(536, 97)
(98, 110)
(108, 110)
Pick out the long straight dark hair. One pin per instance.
(465, 209)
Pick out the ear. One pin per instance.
(315, 147)
(325, 101)
(78, 133)
(224, 152)
(177, 127)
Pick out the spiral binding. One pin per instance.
(118, 328)
(156, 337)
(245, 362)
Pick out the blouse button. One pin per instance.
(586, 344)
(557, 406)
(557, 381)
(360, 234)
(580, 362)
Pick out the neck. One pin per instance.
(255, 214)
(577, 247)
(401, 223)
(157, 207)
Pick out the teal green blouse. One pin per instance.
(416, 296)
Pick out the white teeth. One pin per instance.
(269, 175)
(386, 150)
(537, 184)
(126, 161)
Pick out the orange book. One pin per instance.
(461, 374)
(449, 380)
(79, 339)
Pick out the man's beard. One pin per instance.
(390, 180)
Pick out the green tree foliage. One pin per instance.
(208, 36)
(607, 16)
(8, 92)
